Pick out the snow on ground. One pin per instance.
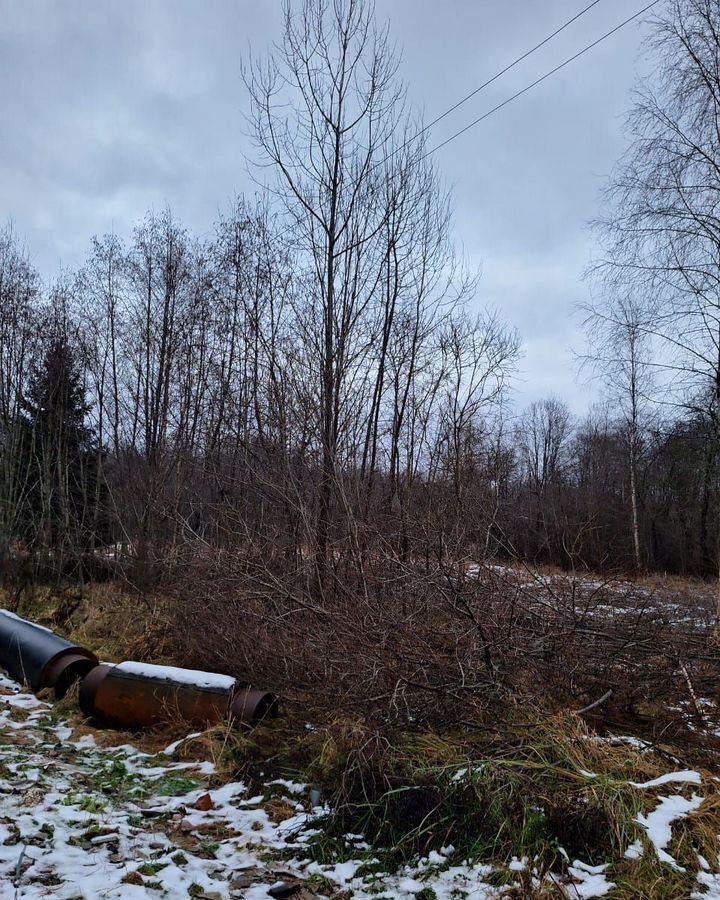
(593, 598)
(658, 823)
(78, 820)
(82, 821)
(687, 776)
(591, 880)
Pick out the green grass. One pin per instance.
(114, 778)
(174, 786)
(527, 792)
(91, 804)
(151, 868)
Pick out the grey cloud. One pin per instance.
(109, 108)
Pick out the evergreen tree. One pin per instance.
(62, 458)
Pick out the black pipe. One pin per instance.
(38, 657)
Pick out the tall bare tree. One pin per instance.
(620, 355)
(333, 157)
(19, 348)
(662, 229)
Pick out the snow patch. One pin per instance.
(171, 748)
(688, 776)
(590, 880)
(182, 676)
(658, 823)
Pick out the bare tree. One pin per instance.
(19, 346)
(543, 439)
(619, 353)
(662, 230)
(338, 72)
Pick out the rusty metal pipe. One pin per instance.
(248, 707)
(34, 655)
(134, 695)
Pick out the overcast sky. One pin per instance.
(109, 108)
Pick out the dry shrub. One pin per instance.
(388, 644)
(424, 644)
(118, 625)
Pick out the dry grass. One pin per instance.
(106, 618)
(526, 788)
(532, 785)
(222, 745)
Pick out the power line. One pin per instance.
(507, 68)
(489, 81)
(542, 78)
(522, 91)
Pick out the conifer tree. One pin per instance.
(62, 454)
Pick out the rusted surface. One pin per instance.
(66, 668)
(128, 695)
(249, 707)
(89, 686)
(141, 699)
(131, 700)
(38, 657)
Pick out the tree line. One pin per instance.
(311, 385)
(166, 398)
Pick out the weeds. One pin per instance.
(151, 868)
(174, 786)
(542, 787)
(516, 780)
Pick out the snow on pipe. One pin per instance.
(137, 695)
(34, 655)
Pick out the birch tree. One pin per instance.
(661, 233)
(620, 354)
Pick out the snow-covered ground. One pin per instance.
(680, 603)
(82, 821)
(78, 820)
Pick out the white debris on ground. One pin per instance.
(82, 821)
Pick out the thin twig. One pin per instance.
(606, 696)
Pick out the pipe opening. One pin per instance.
(65, 668)
(74, 670)
(250, 707)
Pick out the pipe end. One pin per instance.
(89, 687)
(250, 707)
(66, 668)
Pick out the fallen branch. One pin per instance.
(691, 691)
(606, 696)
